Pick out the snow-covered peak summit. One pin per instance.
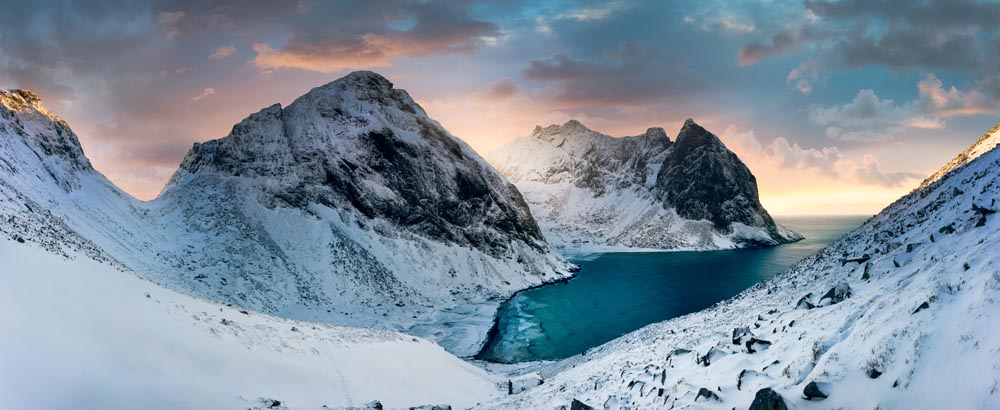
(571, 128)
(362, 90)
(642, 191)
(26, 123)
(17, 99)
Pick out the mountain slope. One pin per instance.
(80, 334)
(590, 191)
(901, 313)
(350, 206)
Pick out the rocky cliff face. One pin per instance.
(704, 180)
(358, 143)
(591, 191)
(349, 206)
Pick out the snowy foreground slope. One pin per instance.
(81, 334)
(900, 314)
(349, 206)
(592, 192)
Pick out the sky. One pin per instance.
(837, 107)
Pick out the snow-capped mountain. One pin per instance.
(349, 206)
(901, 313)
(590, 191)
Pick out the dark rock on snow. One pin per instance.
(767, 399)
(812, 392)
(837, 293)
(707, 395)
(804, 302)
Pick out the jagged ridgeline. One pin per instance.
(348, 206)
(589, 189)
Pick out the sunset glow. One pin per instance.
(825, 126)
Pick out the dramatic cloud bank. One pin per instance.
(856, 93)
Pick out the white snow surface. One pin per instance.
(220, 237)
(81, 334)
(592, 193)
(880, 347)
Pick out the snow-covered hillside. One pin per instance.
(592, 192)
(901, 313)
(350, 206)
(80, 334)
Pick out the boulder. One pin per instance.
(804, 302)
(836, 294)
(767, 399)
(709, 357)
(524, 382)
(741, 335)
(859, 260)
(755, 345)
(579, 405)
(813, 392)
(707, 395)
(981, 213)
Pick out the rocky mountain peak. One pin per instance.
(702, 179)
(569, 128)
(656, 133)
(22, 112)
(359, 144)
(642, 191)
(692, 134)
(18, 99)
(364, 87)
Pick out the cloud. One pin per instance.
(780, 42)
(804, 76)
(204, 93)
(632, 74)
(870, 118)
(829, 162)
(721, 21)
(865, 109)
(593, 13)
(936, 100)
(501, 90)
(870, 172)
(221, 52)
(928, 35)
(169, 21)
(382, 34)
(781, 153)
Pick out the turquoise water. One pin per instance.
(616, 293)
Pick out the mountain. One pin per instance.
(349, 206)
(901, 313)
(590, 191)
